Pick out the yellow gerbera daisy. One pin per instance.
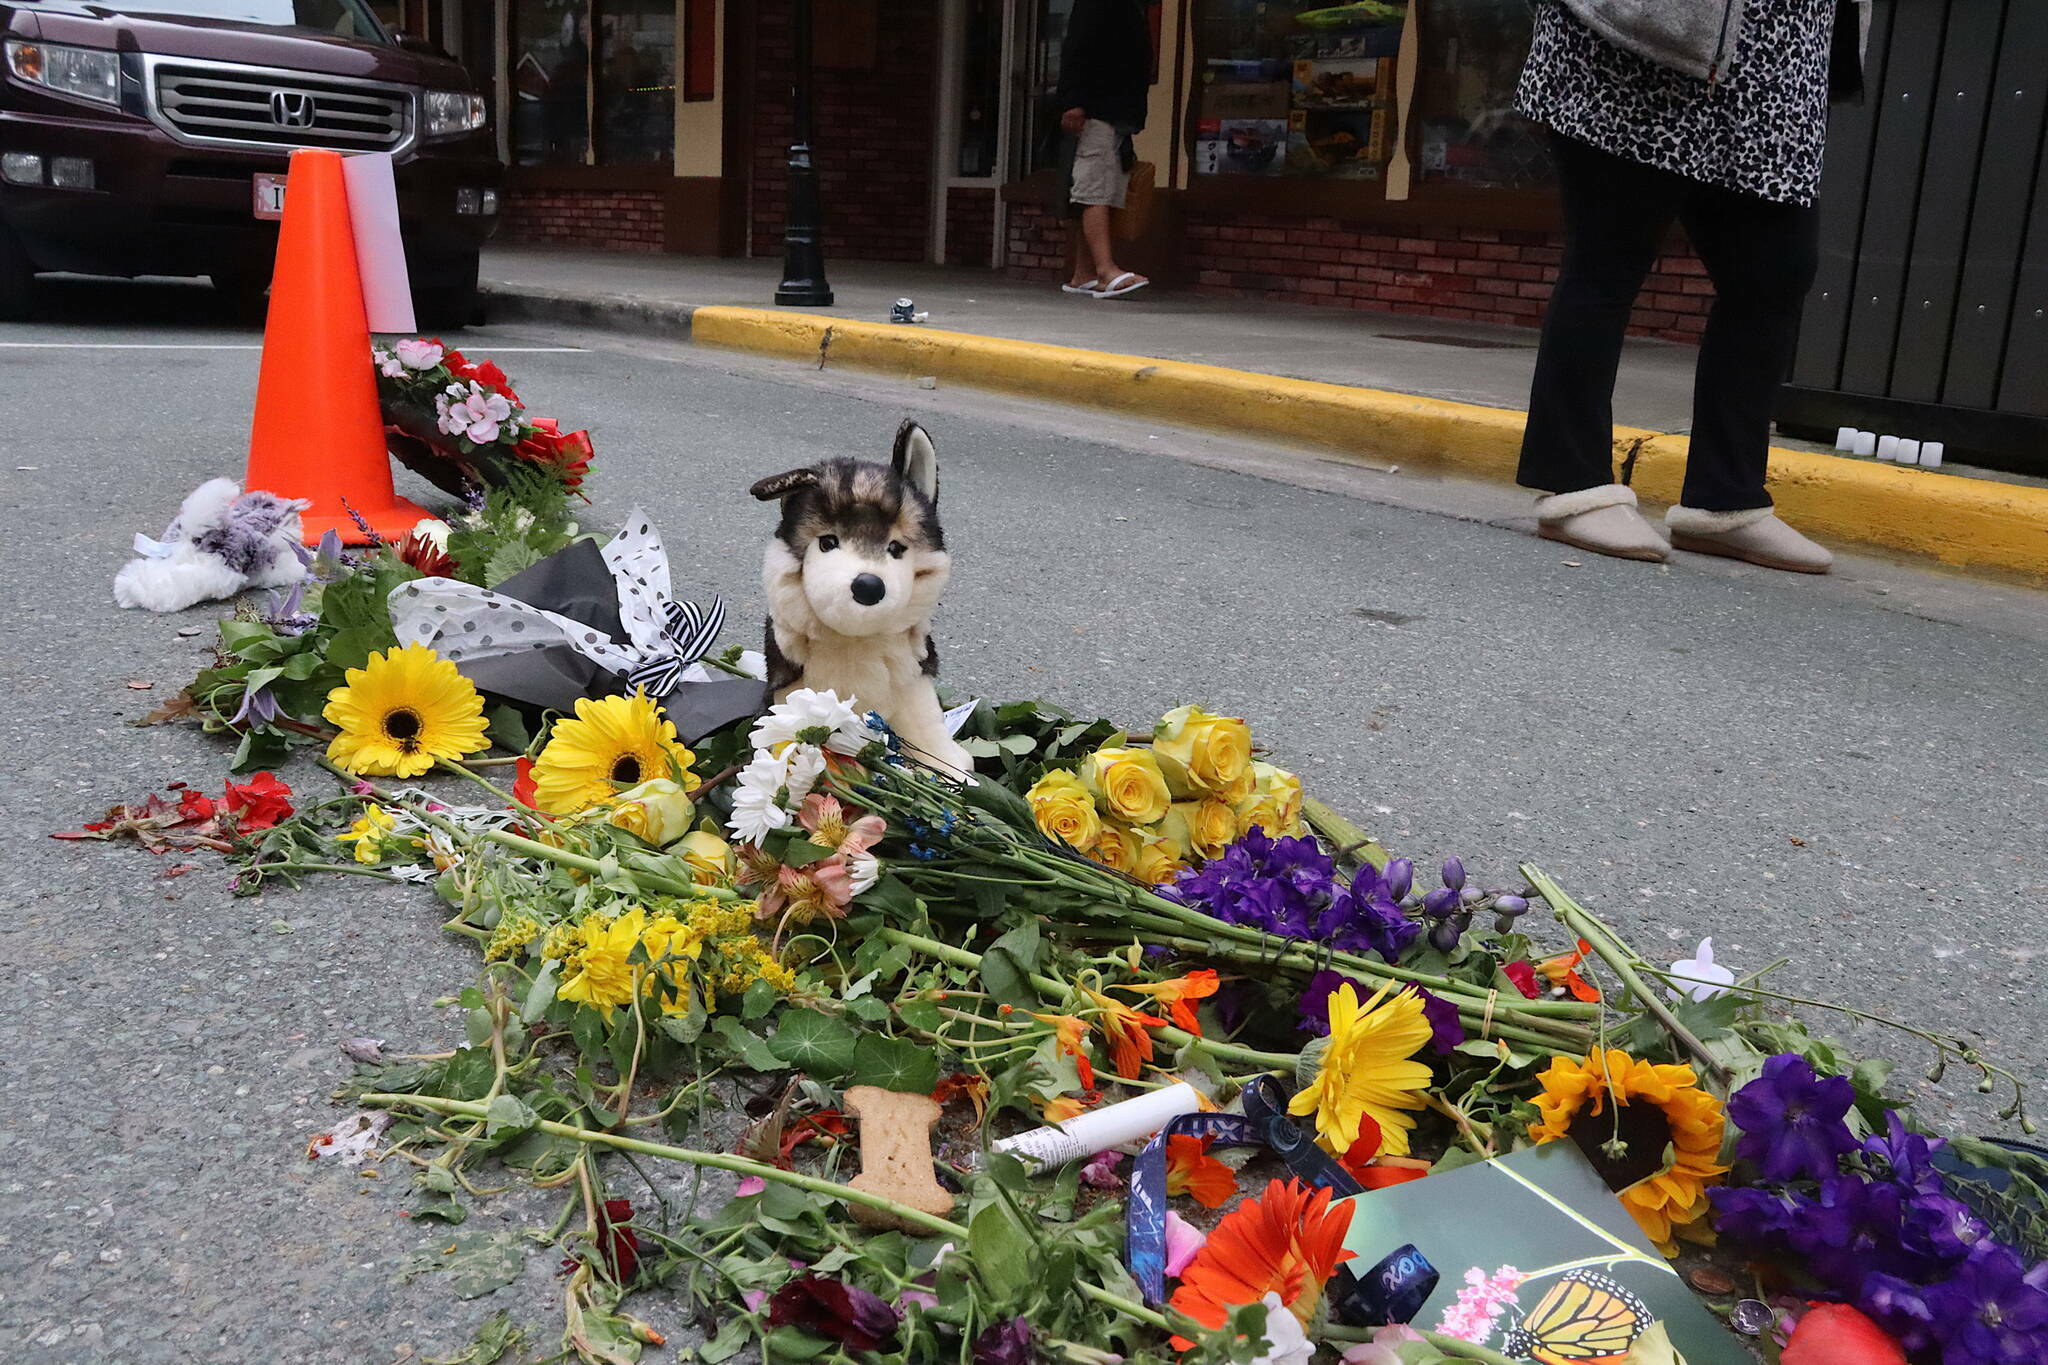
(1670, 1127)
(601, 970)
(1366, 1069)
(612, 744)
(401, 711)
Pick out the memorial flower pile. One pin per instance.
(458, 421)
(787, 909)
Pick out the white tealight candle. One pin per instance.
(1866, 442)
(1930, 454)
(1909, 452)
(1887, 447)
(1845, 438)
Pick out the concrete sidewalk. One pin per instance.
(1429, 396)
(1463, 362)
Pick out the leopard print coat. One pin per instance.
(1760, 129)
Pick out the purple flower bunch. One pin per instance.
(1873, 1223)
(1288, 886)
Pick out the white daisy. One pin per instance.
(810, 716)
(863, 870)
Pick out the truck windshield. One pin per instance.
(342, 18)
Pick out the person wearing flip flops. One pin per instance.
(1712, 113)
(1105, 82)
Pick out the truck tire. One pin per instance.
(244, 293)
(17, 280)
(451, 302)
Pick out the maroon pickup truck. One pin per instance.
(148, 137)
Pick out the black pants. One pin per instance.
(1761, 257)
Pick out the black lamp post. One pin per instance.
(803, 251)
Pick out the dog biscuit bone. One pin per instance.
(896, 1154)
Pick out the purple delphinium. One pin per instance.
(1005, 1343)
(1900, 1307)
(1791, 1120)
(1903, 1156)
(1993, 1311)
(259, 708)
(1756, 1218)
(1288, 886)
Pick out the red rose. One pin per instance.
(1836, 1334)
(194, 807)
(259, 803)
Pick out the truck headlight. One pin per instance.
(449, 112)
(90, 73)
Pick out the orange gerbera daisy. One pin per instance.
(1562, 970)
(1072, 1034)
(1128, 1032)
(1671, 1128)
(1179, 994)
(1288, 1241)
(1190, 1170)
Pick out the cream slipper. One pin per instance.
(1755, 535)
(1603, 520)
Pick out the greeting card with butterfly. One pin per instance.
(1538, 1260)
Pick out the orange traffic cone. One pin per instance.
(319, 433)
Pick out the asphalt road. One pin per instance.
(1852, 773)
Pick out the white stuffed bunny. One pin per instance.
(222, 541)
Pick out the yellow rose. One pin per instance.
(708, 857)
(1159, 859)
(1260, 812)
(657, 810)
(1128, 784)
(1210, 825)
(1202, 754)
(1283, 789)
(1064, 810)
(1116, 847)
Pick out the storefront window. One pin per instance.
(980, 93)
(628, 82)
(1472, 54)
(550, 82)
(636, 81)
(1307, 89)
(1300, 89)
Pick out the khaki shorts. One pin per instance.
(1099, 174)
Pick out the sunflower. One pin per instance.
(1288, 1241)
(401, 711)
(613, 743)
(1658, 1145)
(1367, 1071)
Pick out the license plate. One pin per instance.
(269, 196)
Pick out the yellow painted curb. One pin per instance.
(1960, 521)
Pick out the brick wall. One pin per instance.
(615, 220)
(1035, 243)
(1475, 274)
(970, 225)
(874, 136)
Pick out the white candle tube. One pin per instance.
(1845, 438)
(1866, 442)
(1931, 453)
(1097, 1131)
(1909, 451)
(1887, 448)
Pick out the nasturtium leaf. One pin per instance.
(440, 1210)
(817, 1044)
(751, 1048)
(893, 1064)
(508, 1112)
(467, 1075)
(760, 998)
(730, 1341)
(868, 1009)
(922, 1015)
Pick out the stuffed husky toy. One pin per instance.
(852, 575)
(222, 541)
